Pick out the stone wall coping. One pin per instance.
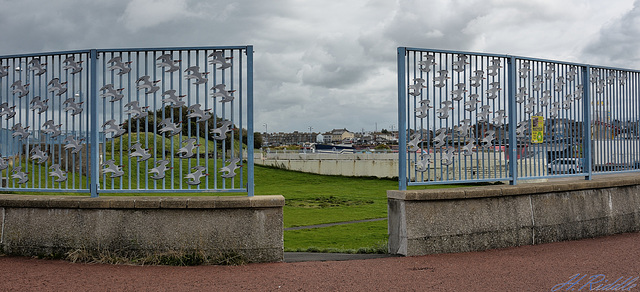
(142, 202)
(552, 185)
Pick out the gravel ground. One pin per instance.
(526, 268)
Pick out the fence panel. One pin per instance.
(153, 120)
(473, 117)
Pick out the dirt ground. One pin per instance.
(527, 268)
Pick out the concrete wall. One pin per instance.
(488, 217)
(251, 227)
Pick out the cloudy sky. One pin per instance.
(331, 64)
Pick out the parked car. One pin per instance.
(565, 165)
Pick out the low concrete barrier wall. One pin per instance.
(488, 217)
(248, 227)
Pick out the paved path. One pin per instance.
(526, 268)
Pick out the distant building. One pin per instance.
(341, 136)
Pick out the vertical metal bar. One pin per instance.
(250, 177)
(586, 126)
(402, 126)
(512, 116)
(94, 132)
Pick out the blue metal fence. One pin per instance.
(128, 120)
(473, 117)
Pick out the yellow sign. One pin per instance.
(537, 129)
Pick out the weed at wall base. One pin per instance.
(168, 258)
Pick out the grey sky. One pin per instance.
(331, 64)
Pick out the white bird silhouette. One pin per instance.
(4, 163)
(56, 86)
(117, 64)
(492, 92)
(425, 160)
(623, 78)
(167, 125)
(440, 80)
(595, 75)
(488, 138)
(220, 91)
(144, 82)
(467, 150)
(38, 154)
(413, 143)
(522, 128)
(175, 100)
(470, 105)
(458, 93)
(571, 75)
(220, 133)
(444, 111)
(50, 129)
(427, 62)
(161, 167)
(520, 96)
(18, 130)
(186, 151)
(416, 88)
(112, 92)
(200, 115)
(529, 107)
(76, 108)
(21, 90)
(3, 70)
(559, 83)
(135, 110)
(546, 97)
(440, 139)
(476, 80)
(551, 69)
(463, 128)
(70, 63)
(484, 114)
(72, 143)
(447, 157)
(611, 78)
(35, 65)
(6, 110)
(459, 65)
(57, 173)
(492, 70)
(498, 119)
(137, 151)
(579, 92)
(196, 175)
(423, 110)
(566, 104)
(219, 58)
(111, 167)
(166, 61)
(537, 83)
(110, 126)
(194, 73)
(230, 169)
(20, 176)
(555, 109)
(39, 105)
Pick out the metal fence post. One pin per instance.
(513, 121)
(250, 177)
(402, 125)
(586, 126)
(94, 131)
